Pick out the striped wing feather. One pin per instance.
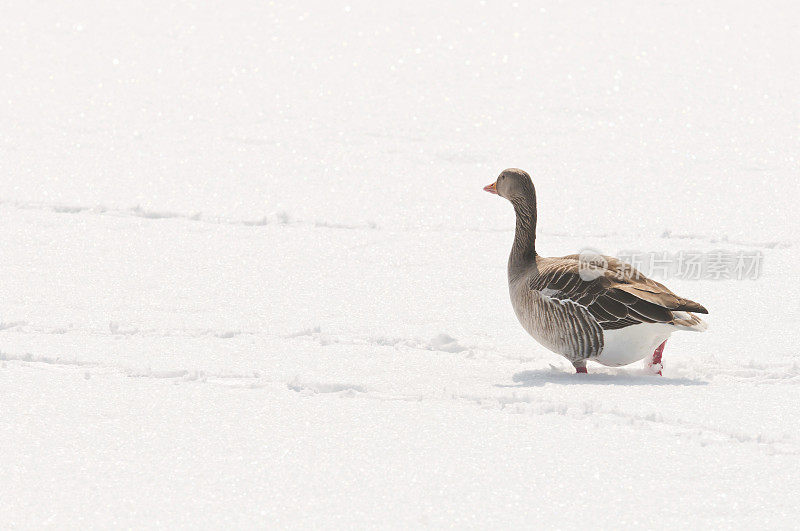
(615, 293)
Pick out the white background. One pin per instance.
(248, 275)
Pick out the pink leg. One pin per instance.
(656, 359)
(580, 367)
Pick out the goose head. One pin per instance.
(512, 184)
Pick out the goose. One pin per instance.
(587, 306)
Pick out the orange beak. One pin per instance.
(491, 188)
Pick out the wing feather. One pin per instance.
(616, 294)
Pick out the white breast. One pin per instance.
(632, 343)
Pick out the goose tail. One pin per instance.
(688, 321)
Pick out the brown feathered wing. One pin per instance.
(615, 293)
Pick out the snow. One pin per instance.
(250, 278)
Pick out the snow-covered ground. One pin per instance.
(248, 276)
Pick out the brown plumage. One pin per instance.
(619, 296)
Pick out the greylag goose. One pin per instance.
(594, 308)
